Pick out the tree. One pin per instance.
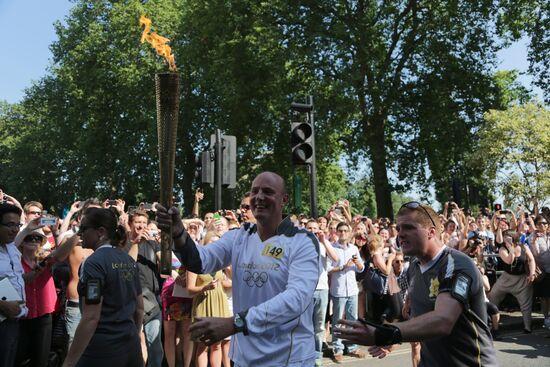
(513, 149)
(530, 19)
(405, 71)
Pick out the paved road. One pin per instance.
(515, 349)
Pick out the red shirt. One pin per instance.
(41, 294)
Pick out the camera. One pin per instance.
(111, 202)
(48, 221)
(475, 243)
(147, 206)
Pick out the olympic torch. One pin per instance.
(167, 93)
(167, 86)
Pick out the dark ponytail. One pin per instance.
(119, 238)
(99, 217)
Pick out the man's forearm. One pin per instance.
(437, 323)
(187, 252)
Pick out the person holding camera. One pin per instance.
(146, 252)
(343, 288)
(111, 299)
(539, 242)
(275, 268)
(320, 297)
(35, 329)
(519, 273)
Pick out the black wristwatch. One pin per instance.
(239, 322)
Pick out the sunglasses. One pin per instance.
(32, 239)
(245, 206)
(82, 229)
(12, 225)
(399, 261)
(35, 213)
(415, 205)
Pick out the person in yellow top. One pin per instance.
(209, 301)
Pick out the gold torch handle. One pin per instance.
(167, 88)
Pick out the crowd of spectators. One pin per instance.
(363, 274)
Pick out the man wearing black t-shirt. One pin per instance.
(446, 300)
(146, 252)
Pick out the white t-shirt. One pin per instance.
(274, 280)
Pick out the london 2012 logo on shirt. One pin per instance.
(255, 279)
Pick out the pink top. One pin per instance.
(41, 294)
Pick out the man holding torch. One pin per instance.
(276, 267)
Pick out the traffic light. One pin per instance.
(229, 159)
(205, 167)
(302, 142)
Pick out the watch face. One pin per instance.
(238, 321)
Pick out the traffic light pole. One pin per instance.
(218, 171)
(312, 166)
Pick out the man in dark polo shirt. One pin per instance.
(146, 252)
(446, 300)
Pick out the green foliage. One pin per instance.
(531, 19)
(402, 85)
(513, 149)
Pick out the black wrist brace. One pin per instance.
(387, 334)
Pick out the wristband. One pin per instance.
(179, 235)
(387, 334)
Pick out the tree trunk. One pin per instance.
(377, 148)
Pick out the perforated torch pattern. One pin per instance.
(167, 89)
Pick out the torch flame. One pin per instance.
(159, 43)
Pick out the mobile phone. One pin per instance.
(526, 215)
(111, 202)
(93, 291)
(504, 211)
(48, 221)
(147, 206)
(498, 207)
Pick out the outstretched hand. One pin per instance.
(210, 330)
(355, 332)
(169, 217)
(380, 352)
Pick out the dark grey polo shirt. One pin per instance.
(470, 342)
(119, 277)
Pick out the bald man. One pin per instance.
(276, 267)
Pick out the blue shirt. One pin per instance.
(343, 283)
